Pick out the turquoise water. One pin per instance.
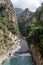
(19, 60)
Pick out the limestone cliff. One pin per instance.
(9, 13)
(8, 25)
(34, 33)
(24, 20)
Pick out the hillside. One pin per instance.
(34, 36)
(8, 25)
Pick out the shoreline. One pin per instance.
(3, 58)
(13, 52)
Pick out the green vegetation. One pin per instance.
(4, 20)
(4, 34)
(23, 20)
(35, 36)
(10, 25)
(34, 32)
(2, 9)
(6, 26)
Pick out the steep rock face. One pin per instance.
(36, 25)
(26, 14)
(8, 26)
(24, 20)
(39, 13)
(9, 12)
(36, 55)
(2, 1)
(41, 16)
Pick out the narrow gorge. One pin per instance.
(21, 35)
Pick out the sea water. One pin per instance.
(20, 60)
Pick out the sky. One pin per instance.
(31, 4)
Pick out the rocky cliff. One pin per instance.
(8, 25)
(36, 55)
(9, 12)
(26, 14)
(38, 15)
(24, 20)
(34, 33)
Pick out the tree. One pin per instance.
(35, 35)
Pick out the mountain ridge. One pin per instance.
(24, 20)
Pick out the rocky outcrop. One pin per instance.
(26, 14)
(10, 13)
(24, 20)
(41, 16)
(8, 24)
(36, 55)
(35, 45)
(2, 1)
